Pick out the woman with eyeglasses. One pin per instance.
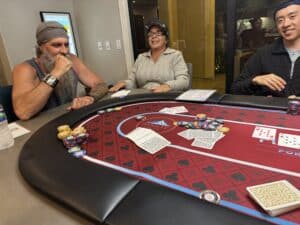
(161, 69)
(50, 79)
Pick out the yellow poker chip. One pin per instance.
(78, 130)
(63, 128)
(201, 115)
(223, 129)
(63, 134)
(210, 196)
(175, 123)
(118, 108)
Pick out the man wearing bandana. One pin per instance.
(50, 79)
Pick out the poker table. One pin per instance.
(118, 183)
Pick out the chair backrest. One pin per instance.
(6, 102)
(190, 72)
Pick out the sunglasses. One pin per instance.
(59, 45)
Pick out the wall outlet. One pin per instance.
(118, 44)
(107, 45)
(99, 45)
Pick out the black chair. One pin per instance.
(6, 102)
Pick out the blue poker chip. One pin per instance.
(79, 154)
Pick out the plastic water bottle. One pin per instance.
(6, 138)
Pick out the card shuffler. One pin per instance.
(276, 197)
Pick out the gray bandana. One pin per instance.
(49, 30)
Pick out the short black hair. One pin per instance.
(284, 4)
(255, 19)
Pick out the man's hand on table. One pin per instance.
(272, 81)
(80, 102)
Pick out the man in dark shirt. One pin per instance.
(254, 37)
(275, 69)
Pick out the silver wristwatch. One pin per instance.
(52, 81)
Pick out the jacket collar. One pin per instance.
(278, 47)
(166, 52)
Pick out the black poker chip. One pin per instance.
(210, 196)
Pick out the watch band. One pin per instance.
(50, 80)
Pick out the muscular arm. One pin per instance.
(29, 95)
(96, 86)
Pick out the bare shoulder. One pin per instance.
(23, 68)
(24, 73)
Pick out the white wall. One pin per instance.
(93, 20)
(99, 21)
(18, 22)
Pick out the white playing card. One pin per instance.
(187, 134)
(289, 140)
(264, 133)
(148, 139)
(174, 110)
(203, 143)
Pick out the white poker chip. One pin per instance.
(140, 117)
(210, 196)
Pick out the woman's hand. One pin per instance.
(161, 88)
(117, 86)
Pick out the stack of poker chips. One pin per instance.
(293, 105)
(72, 139)
(205, 123)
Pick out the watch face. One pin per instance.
(51, 80)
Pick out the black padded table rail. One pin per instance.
(255, 101)
(110, 197)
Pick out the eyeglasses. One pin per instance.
(152, 34)
(59, 45)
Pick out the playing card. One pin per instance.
(264, 133)
(187, 134)
(276, 197)
(289, 140)
(203, 143)
(174, 110)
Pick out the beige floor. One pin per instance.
(218, 83)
